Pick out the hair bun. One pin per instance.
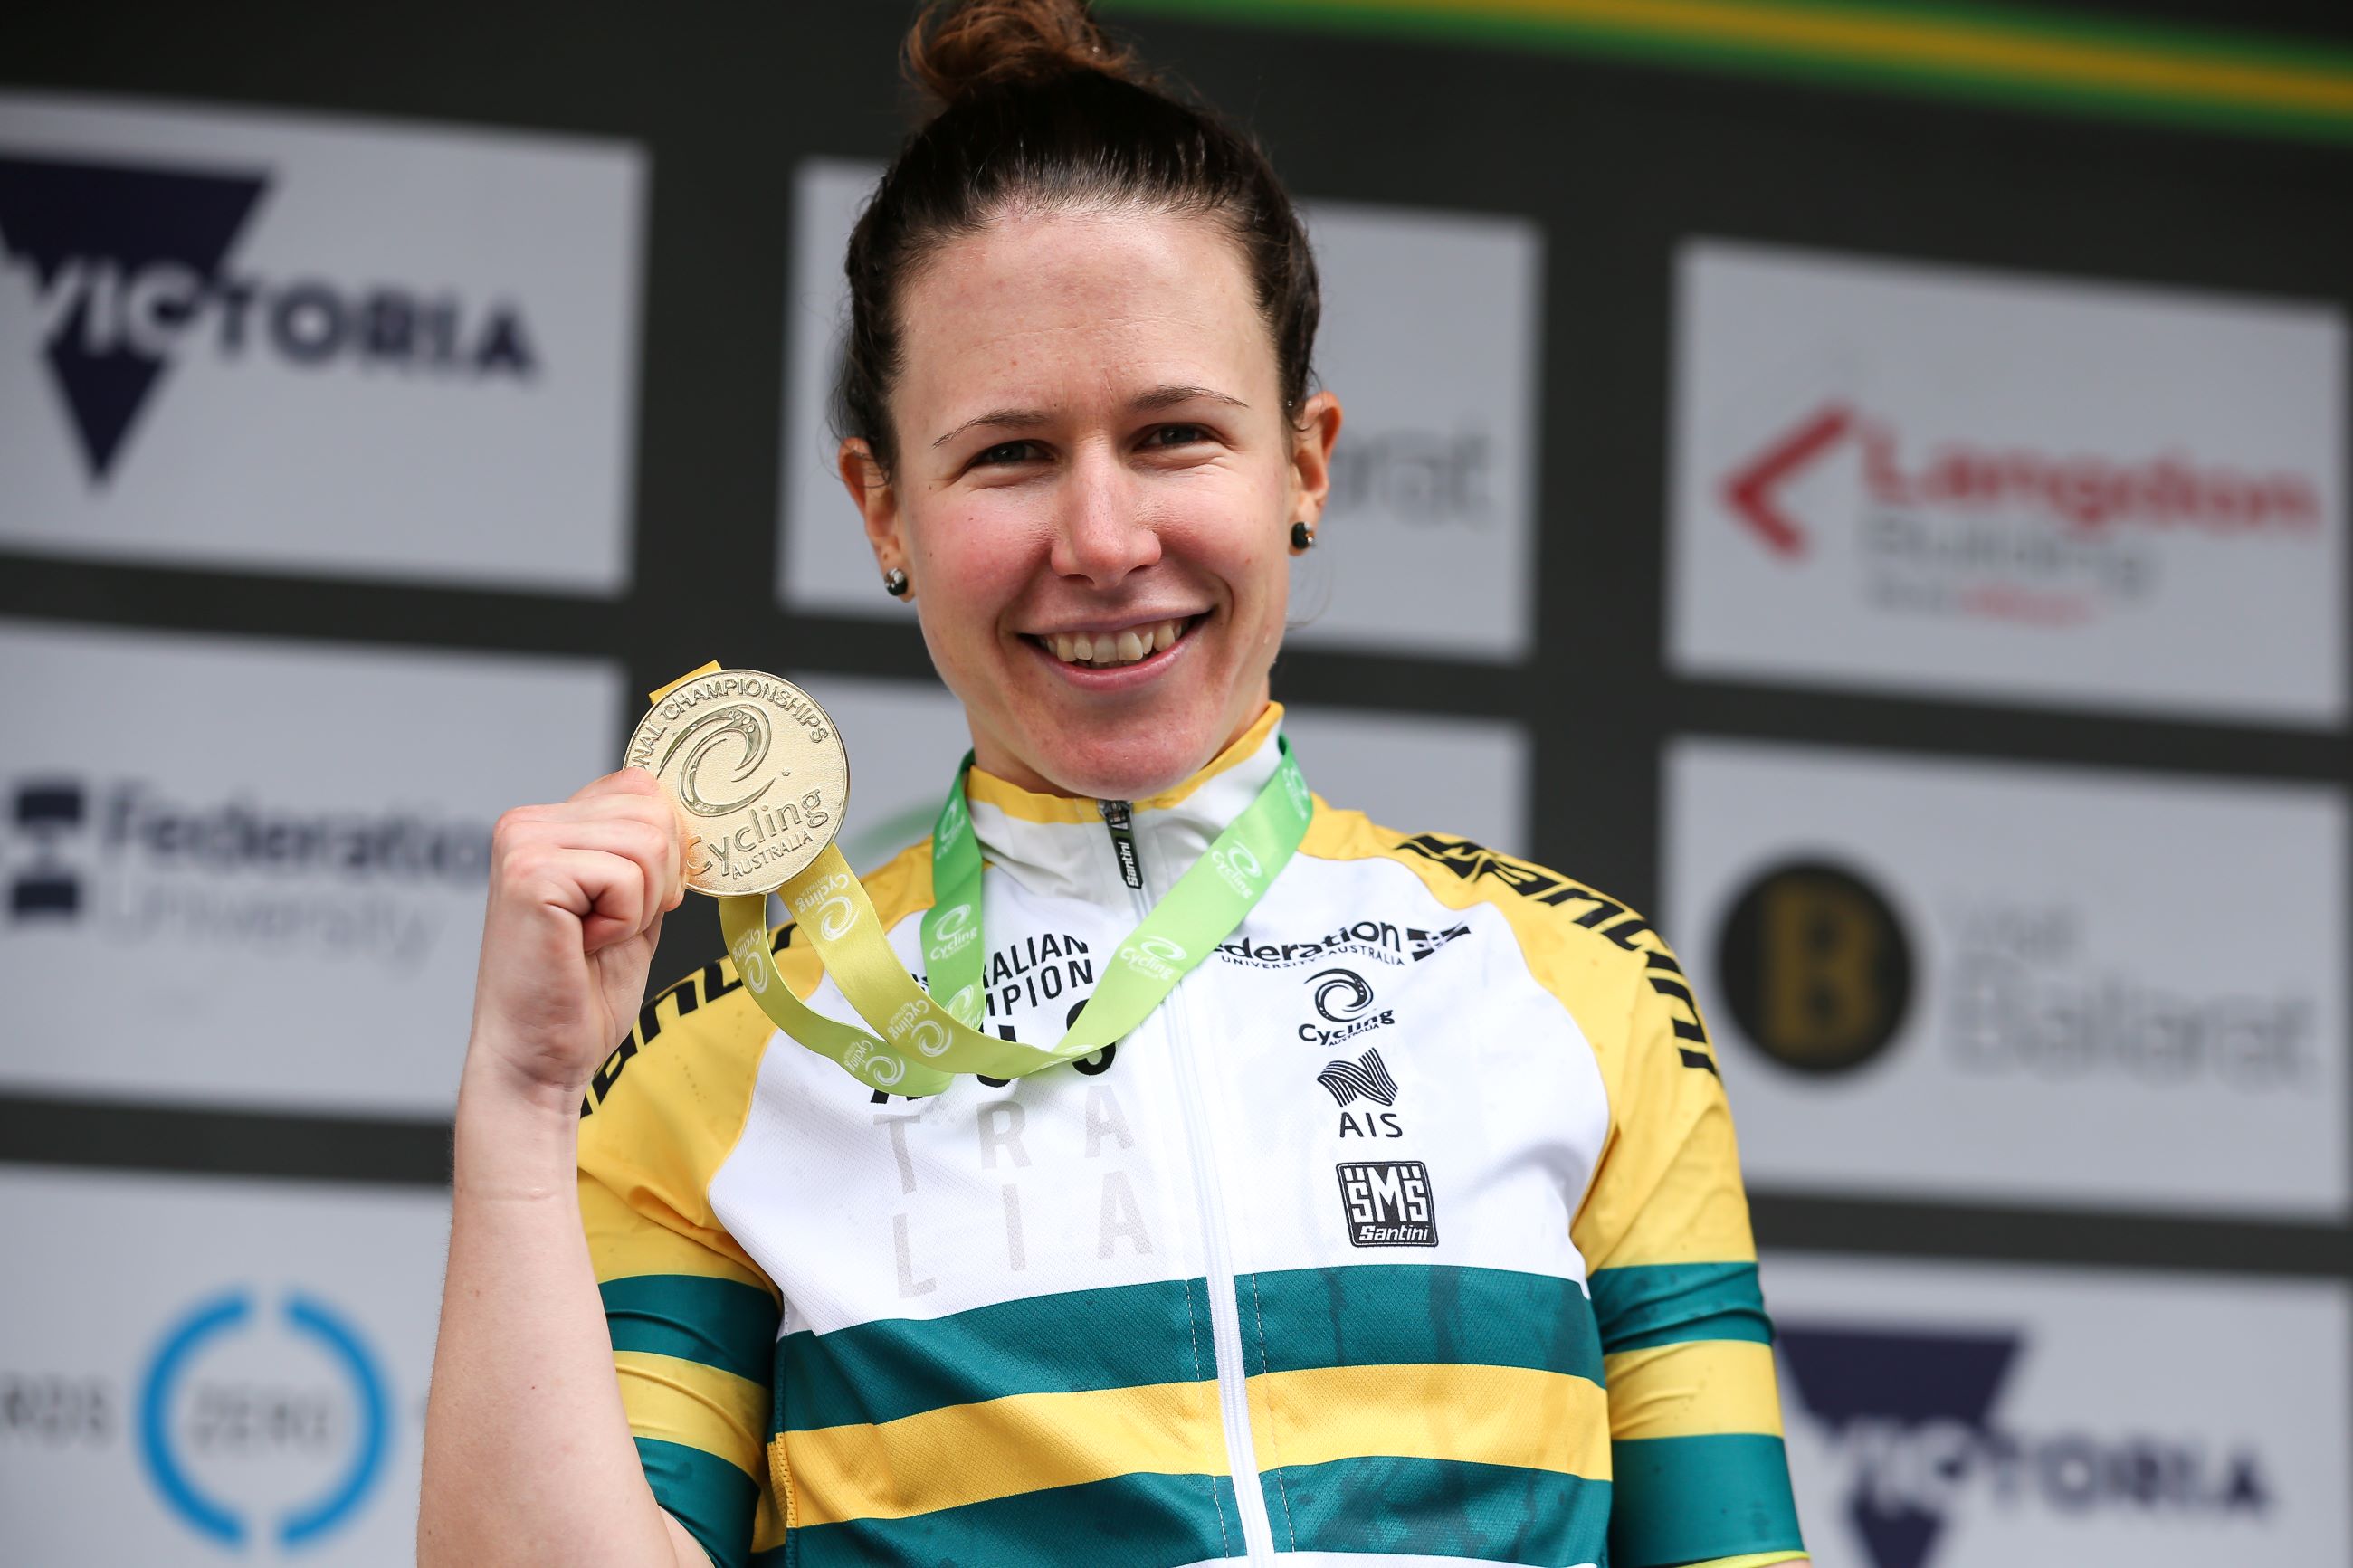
(958, 45)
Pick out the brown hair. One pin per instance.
(1037, 106)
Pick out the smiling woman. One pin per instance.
(1142, 1305)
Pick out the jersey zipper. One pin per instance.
(1225, 1310)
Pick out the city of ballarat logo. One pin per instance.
(1387, 1202)
(1816, 967)
(1910, 1418)
(1343, 999)
(127, 270)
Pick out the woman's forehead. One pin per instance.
(1076, 304)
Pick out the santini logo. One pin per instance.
(1910, 1418)
(129, 272)
(1387, 1202)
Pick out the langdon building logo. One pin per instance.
(1945, 523)
(130, 272)
(1913, 1420)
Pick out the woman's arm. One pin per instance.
(528, 1456)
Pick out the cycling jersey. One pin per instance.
(1409, 1229)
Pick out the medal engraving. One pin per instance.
(757, 772)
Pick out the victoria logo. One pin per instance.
(1816, 967)
(128, 271)
(1910, 1418)
(1343, 999)
(181, 1418)
(46, 813)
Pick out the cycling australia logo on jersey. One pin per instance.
(1911, 1420)
(264, 1424)
(138, 866)
(127, 267)
(1387, 1202)
(1344, 1003)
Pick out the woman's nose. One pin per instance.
(1101, 531)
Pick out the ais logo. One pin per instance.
(1911, 1420)
(128, 271)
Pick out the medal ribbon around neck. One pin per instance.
(921, 1038)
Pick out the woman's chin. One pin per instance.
(1131, 763)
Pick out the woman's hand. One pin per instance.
(577, 895)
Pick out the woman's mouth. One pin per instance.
(1112, 649)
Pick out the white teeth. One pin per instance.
(1103, 650)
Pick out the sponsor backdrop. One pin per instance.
(1876, 503)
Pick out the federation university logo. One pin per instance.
(43, 885)
(128, 271)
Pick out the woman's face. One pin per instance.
(1093, 494)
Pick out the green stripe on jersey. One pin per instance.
(1671, 1303)
(1687, 1499)
(1118, 1336)
(1374, 1314)
(719, 1322)
(1438, 1507)
(712, 1498)
(1127, 1522)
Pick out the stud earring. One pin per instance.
(1302, 538)
(895, 583)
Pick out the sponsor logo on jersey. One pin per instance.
(128, 275)
(1910, 1419)
(1343, 999)
(1816, 967)
(1366, 1078)
(1387, 1202)
(1382, 941)
(1475, 862)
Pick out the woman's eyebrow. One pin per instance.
(1142, 403)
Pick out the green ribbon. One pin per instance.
(923, 1037)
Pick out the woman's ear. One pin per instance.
(876, 502)
(1312, 435)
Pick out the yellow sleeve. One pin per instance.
(693, 1321)
(1699, 1472)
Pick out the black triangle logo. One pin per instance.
(57, 216)
(1848, 1375)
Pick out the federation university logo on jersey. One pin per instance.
(1387, 1202)
(128, 272)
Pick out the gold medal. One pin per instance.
(756, 769)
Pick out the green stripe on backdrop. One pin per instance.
(1128, 1521)
(1673, 1303)
(1117, 1337)
(1687, 1499)
(712, 1498)
(1370, 1314)
(1438, 1507)
(2213, 78)
(719, 1322)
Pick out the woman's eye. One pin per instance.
(1176, 436)
(1004, 452)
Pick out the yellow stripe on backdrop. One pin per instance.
(686, 1402)
(1698, 1389)
(997, 1447)
(1489, 1415)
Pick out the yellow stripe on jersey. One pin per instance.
(1693, 1390)
(623, 1243)
(1489, 1415)
(700, 1407)
(1022, 1443)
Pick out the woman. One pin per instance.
(1335, 1252)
